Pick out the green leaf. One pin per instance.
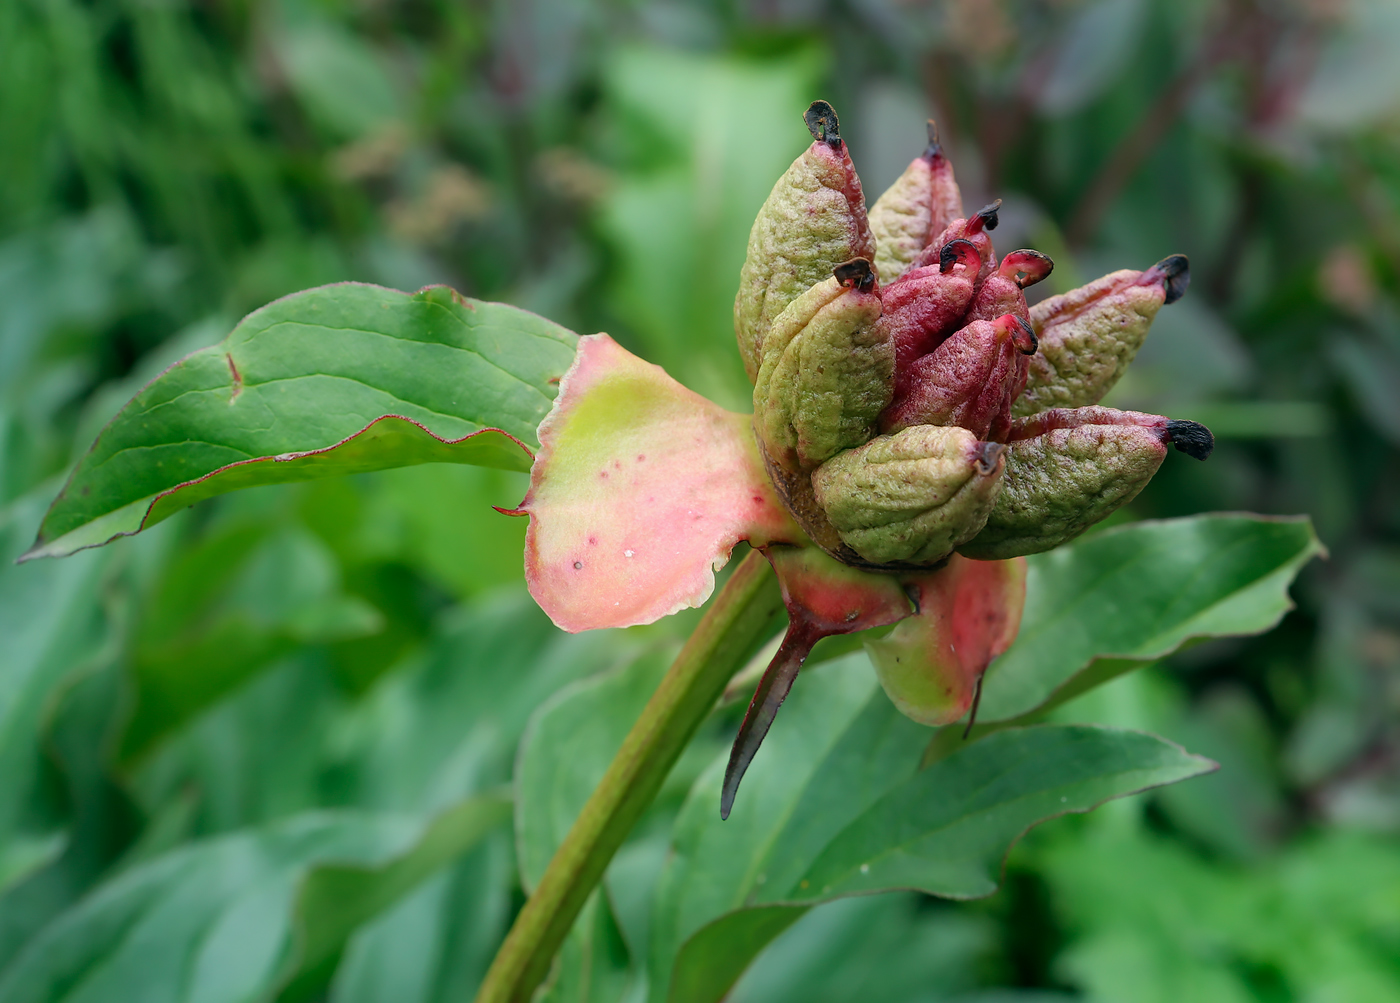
(342, 379)
(256, 755)
(566, 750)
(1134, 594)
(53, 626)
(836, 806)
(226, 608)
(437, 519)
(890, 948)
(336, 899)
(681, 229)
(232, 918)
(1317, 920)
(593, 962)
(435, 944)
(449, 723)
(442, 727)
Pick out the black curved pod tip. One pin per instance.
(957, 250)
(1190, 437)
(1025, 340)
(985, 218)
(823, 124)
(988, 453)
(1175, 273)
(855, 274)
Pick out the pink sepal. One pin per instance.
(639, 492)
(969, 613)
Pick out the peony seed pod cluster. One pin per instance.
(917, 428)
(908, 404)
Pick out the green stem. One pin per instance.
(737, 620)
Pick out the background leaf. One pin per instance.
(566, 750)
(681, 221)
(436, 943)
(213, 921)
(223, 612)
(895, 948)
(54, 627)
(1319, 921)
(332, 381)
(837, 806)
(1097, 42)
(1136, 593)
(334, 900)
(440, 729)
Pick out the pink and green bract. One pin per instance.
(917, 430)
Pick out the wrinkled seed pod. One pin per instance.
(1068, 469)
(970, 380)
(813, 220)
(910, 497)
(827, 371)
(1002, 293)
(914, 210)
(1090, 334)
(975, 228)
(926, 305)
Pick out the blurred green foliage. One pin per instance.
(195, 720)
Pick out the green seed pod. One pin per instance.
(814, 220)
(827, 371)
(1090, 334)
(911, 497)
(1068, 469)
(914, 210)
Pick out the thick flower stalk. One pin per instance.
(917, 429)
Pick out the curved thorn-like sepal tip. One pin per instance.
(855, 274)
(1174, 271)
(772, 690)
(822, 598)
(976, 702)
(1190, 437)
(823, 124)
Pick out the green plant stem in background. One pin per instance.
(738, 620)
